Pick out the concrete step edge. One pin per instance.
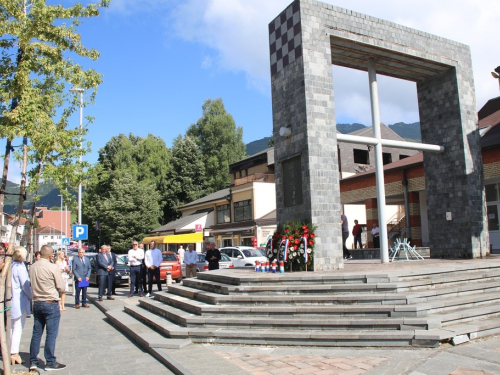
(116, 317)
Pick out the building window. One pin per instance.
(227, 242)
(223, 214)
(401, 157)
(492, 212)
(386, 158)
(491, 193)
(361, 156)
(243, 210)
(247, 241)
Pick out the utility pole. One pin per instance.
(80, 90)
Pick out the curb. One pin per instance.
(156, 352)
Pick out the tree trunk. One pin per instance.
(5, 278)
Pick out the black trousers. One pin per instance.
(156, 274)
(112, 277)
(135, 277)
(376, 242)
(144, 277)
(347, 254)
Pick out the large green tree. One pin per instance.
(147, 162)
(186, 179)
(220, 142)
(36, 71)
(128, 211)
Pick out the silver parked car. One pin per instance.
(243, 256)
(202, 265)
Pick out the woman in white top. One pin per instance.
(63, 267)
(21, 296)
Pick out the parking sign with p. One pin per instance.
(80, 232)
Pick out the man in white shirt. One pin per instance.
(376, 236)
(135, 257)
(181, 253)
(153, 260)
(190, 258)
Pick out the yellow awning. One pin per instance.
(177, 238)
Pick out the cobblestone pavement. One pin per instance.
(88, 345)
(261, 364)
(478, 357)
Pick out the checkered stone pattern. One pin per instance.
(285, 38)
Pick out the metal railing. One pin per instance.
(257, 177)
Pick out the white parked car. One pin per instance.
(243, 256)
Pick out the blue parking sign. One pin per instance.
(80, 232)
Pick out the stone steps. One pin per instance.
(252, 278)
(313, 299)
(200, 308)
(444, 271)
(182, 318)
(411, 336)
(364, 309)
(294, 288)
(356, 284)
(272, 299)
(332, 309)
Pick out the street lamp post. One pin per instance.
(80, 90)
(54, 234)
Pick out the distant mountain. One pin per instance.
(410, 132)
(349, 128)
(257, 146)
(47, 192)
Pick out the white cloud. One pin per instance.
(236, 31)
(206, 63)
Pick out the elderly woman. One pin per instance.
(64, 268)
(21, 296)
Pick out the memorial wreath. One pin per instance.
(293, 244)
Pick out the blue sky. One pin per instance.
(161, 59)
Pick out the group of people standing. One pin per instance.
(357, 230)
(37, 292)
(142, 265)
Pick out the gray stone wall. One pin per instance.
(301, 40)
(303, 100)
(454, 179)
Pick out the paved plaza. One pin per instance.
(89, 344)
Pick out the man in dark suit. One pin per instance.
(104, 266)
(212, 257)
(81, 270)
(112, 272)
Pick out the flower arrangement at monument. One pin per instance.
(293, 244)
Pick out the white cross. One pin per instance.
(378, 142)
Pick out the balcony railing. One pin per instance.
(257, 177)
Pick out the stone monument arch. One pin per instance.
(305, 40)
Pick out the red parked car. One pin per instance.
(170, 264)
